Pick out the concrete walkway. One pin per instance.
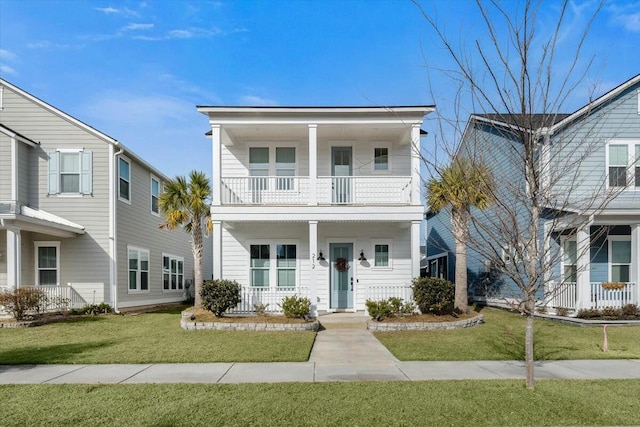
(343, 351)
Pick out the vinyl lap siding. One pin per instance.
(5, 167)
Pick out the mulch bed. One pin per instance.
(428, 318)
(203, 315)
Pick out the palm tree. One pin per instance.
(186, 204)
(462, 185)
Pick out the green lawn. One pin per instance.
(146, 338)
(437, 403)
(502, 338)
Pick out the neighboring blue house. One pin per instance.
(589, 173)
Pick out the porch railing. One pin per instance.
(566, 295)
(383, 292)
(269, 297)
(60, 298)
(294, 190)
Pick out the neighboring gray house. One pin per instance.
(79, 212)
(590, 178)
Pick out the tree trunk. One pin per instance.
(461, 235)
(528, 339)
(196, 236)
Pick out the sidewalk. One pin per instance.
(343, 351)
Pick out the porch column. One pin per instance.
(635, 262)
(415, 249)
(216, 150)
(583, 285)
(415, 166)
(14, 258)
(217, 250)
(313, 165)
(313, 254)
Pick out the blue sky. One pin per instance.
(136, 69)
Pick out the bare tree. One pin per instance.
(518, 83)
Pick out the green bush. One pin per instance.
(93, 309)
(220, 295)
(393, 306)
(433, 295)
(295, 307)
(21, 300)
(588, 313)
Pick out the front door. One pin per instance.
(341, 275)
(341, 175)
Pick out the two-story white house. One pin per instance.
(79, 212)
(323, 202)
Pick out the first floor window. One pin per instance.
(620, 260)
(260, 264)
(47, 263)
(286, 265)
(138, 269)
(569, 261)
(381, 258)
(172, 272)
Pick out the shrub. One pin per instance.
(611, 312)
(562, 311)
(631, 310)
(588, 313)
(296, 307)
(378, 309)
(220, 295)
(93, 309)
(433, 295)
(21, 300)
(261, 309)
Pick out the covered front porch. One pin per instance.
(600, 267)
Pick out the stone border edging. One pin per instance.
(424, 326)
(191, 325)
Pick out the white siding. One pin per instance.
(5, 167)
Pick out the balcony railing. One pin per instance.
(566, 295)
(330, 190)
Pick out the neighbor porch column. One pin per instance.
(216, 150)
(583, 285)
(415, 249)
(635, 262)
(313, 165)
(313, 255)
(14, 258)
(217, 250)
(415, 165)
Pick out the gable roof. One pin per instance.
(13, 134)
(93, 131)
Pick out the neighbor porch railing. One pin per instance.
(62, 297)
(269, 297)
(566, 295)
(295, 190)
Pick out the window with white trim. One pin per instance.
(623, 164)
(619, 258)
(138, 269)
(124, 179)
(260, 265)
(381, 159)
(155, 195)
(569, 260)
(172, 272)
(47, 263)
(382, 255)
(286, 266)
(70, 171)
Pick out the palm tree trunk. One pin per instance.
(196, 235)
(461, 234)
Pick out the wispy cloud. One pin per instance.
(115, 11)
(7, 55)
(136, 27)
(5, 69)
(183, 34)
(48, 44)
(256, 101)
(626, 15)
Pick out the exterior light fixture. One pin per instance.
(320, 257)
(362, 257)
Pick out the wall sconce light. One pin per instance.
(320, 257)
(362, 257)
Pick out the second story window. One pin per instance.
(623, 164)
(155, 195)
(124, 173)
(70, 172)
(381, 159)
(285, 167)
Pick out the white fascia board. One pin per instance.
(318, 213)
(17, 136)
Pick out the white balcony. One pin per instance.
(330, 190)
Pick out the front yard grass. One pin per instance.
(501, 337)
(434, 403)
(146, 338)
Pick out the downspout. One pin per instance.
(113, 252)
